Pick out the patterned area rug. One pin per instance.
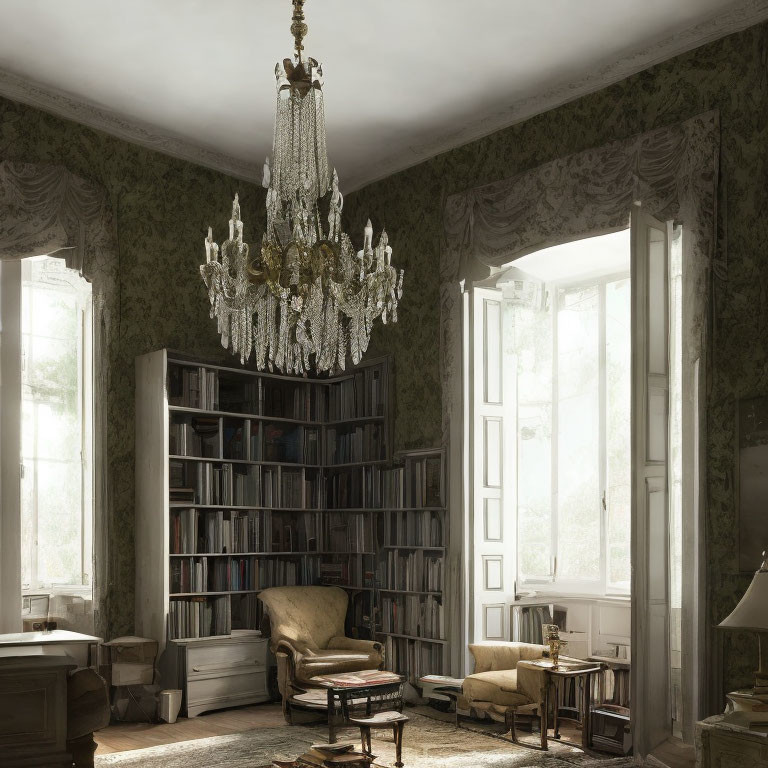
(428, 743)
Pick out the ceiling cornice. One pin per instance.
(735, 19)
(65, 105)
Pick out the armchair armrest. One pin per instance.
(341, 643)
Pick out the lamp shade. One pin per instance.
(752, 610)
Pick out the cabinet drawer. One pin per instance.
(217, 690)
(205, 658)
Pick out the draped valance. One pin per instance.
(672, 171)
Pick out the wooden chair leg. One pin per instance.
(397, 733)
(513, 726)
(365, 739)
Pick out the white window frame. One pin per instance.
(550, 583)
(85, 387)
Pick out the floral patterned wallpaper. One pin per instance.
(730, 75)
(162, 207)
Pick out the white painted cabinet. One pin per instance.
(221, 672)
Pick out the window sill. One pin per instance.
(550, 595)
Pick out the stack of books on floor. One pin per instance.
(328, 756)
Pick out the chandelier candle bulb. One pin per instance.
(302, 304)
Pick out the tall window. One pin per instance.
(573, 436)
(56, 439)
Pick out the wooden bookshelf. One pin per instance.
(247, 480)
(412, 565)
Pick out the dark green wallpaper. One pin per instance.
(162, 207)
(730, 75)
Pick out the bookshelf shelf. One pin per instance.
(287, 464)
(207, 594)
(250, 416)
(411, 546)
(411, 592)
(418, 638)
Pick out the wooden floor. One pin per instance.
(122, 737)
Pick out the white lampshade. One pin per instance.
(752, 610)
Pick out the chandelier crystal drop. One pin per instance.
(308, 299)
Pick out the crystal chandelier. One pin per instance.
(307, 300)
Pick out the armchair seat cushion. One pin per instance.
(497, 687)
(332, 661)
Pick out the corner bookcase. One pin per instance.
(246, 480)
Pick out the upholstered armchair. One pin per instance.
(307, 638)
(498, 685)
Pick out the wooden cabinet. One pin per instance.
(33, 711)
(722, 745)
(222, 672)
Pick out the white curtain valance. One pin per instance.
(672, 171)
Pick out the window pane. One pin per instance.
(533, 349)
(55, 486)
(618, 362)
(578, 372)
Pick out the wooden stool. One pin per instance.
(394, 720)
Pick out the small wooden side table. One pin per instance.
(565, 670)
(328, 696)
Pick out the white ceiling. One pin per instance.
(405, 79)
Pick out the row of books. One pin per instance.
(288, 572)
(411, 658)
(244, 485)
(413, 615)
(193, 437)
(193, 387)
(199, 617)
(216, 574)
(363, 394)
(369, 487)
(415, 527)
(347, 571)
(214, 532)
(355, 444)
(265, 396)
(414, 572)
(425, 482)
(349, 532)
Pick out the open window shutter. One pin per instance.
(491, 446)
(651, 714)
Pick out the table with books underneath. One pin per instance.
(366, 699)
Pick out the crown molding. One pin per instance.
(739, 17)
(735, 19)
(67, 106)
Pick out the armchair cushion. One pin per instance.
(332, 661)
(497, 687)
